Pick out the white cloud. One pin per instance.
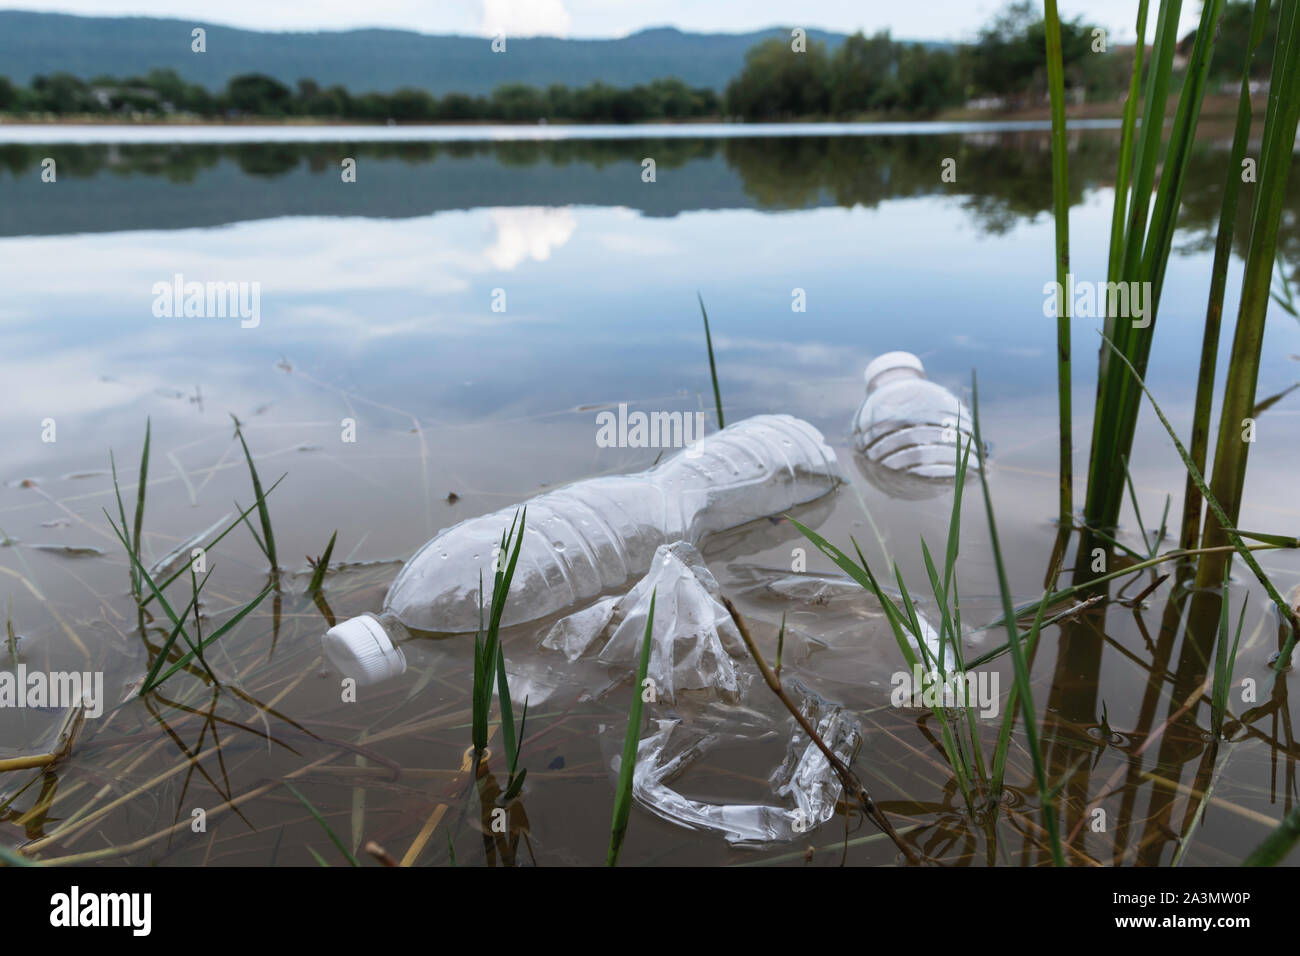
(525, 18)
(529, 232)
(932, 20)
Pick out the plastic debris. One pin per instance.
(909, 431)
(597, 535)
(806, 780)
(693, 639)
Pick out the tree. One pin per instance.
(863, 74)
(1008, 57)
(928, 80)
(63, 93)
(515, 102)
(1233, 41)
(258, 94)
(670, 98)
(412, 105)
(778, 82)
(459, 106)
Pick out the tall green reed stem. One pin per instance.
(1276, 154)
(1189, 533)
(1142, 255)
(1061, 208)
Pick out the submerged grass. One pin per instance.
(11, 639)
(1275, 847)
(334, 838)
(1225, 659)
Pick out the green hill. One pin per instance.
(363, 60)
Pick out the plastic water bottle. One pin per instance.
(591, 536)
(908, 430)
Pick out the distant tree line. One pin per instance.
(162, 92)
(864, 75)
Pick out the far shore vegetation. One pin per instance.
(864, 78)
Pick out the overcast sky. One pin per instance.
(910, 19)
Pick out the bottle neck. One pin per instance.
(891, 375)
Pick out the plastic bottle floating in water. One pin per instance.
(592, 536)
(909, 430)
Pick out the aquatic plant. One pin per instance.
(631, 740)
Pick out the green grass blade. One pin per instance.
(121, 511)
(322, 565)
(1277, 155)
(1119, 217)
(1275, 847)
(347, 854)
(1288, 615)
(507, 713)
(135, 540)
(626, 768)
(487, 642)
(241, 518)
(9, 858)
(263, 514)
(216, 635)
(1050, 822)
(713, 369)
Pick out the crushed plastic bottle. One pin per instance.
(595, 535)
(908, 430)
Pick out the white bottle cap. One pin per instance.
(360, 648)
(878, 369)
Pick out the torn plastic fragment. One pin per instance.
(694, 642)
(805, 779)
(843, 604)
(806, 775)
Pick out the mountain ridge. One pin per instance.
(370, 59)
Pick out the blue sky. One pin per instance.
(920, 19)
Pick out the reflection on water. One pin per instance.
(465, 305)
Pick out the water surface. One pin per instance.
(377, 320)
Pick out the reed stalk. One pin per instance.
(1189, 533)
(1061, 209)
(1232, 447)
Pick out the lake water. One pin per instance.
(463, 310)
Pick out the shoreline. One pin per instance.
(1216, 106)
(129, 134)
